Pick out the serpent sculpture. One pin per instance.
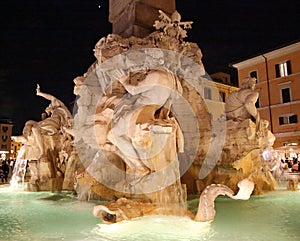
(122, 209)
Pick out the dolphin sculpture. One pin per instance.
(206, 209)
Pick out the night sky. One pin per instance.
(51, 42)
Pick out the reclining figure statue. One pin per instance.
(240, 104)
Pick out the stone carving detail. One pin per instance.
(247, 137)
(242, 134)
(170, 36)
(135, 130)
(48, 147)
(124, 209)
(134, 116)
(172, 26)
(148, 116)
(206, 210)
(240, 104)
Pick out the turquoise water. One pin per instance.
(59, 216)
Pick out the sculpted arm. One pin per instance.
(54, 101)
(46, 96)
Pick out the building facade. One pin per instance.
(224, 84)
(15, 148)
(5, 138)
(215, 93)
(278, 81)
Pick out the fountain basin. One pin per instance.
(60, 216)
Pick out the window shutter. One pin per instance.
(293, 119)
(289, 67)
(281, 121)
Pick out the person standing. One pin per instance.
(5, 169)
(12, 165)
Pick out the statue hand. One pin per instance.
(38, 89)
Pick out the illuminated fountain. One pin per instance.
(39, 216)
(143, 136)
(18, 175)
(141, 121)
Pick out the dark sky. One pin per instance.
(50, 42)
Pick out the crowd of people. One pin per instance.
(5, 169)
(292, 165)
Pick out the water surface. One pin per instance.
(59, 216)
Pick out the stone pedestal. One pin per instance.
(51, 184)
(136, 17)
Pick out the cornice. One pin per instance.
(283, 51)
(268, 55)
(249, 62)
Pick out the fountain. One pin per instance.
(141, 122)
(19, 172)
(143, 136)
(124, 209)
(39, 216)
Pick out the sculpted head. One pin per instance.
(248, 83)
(78, 81)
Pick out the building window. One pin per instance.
(286, 95)
(207, 93)
(3, 147)
(4, 128)
(288, 119)
(253, 74)
(283, 69)
(4, 138)
(290, 143)
(222, 96)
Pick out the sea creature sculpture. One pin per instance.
(206, 209)
(124, 209)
